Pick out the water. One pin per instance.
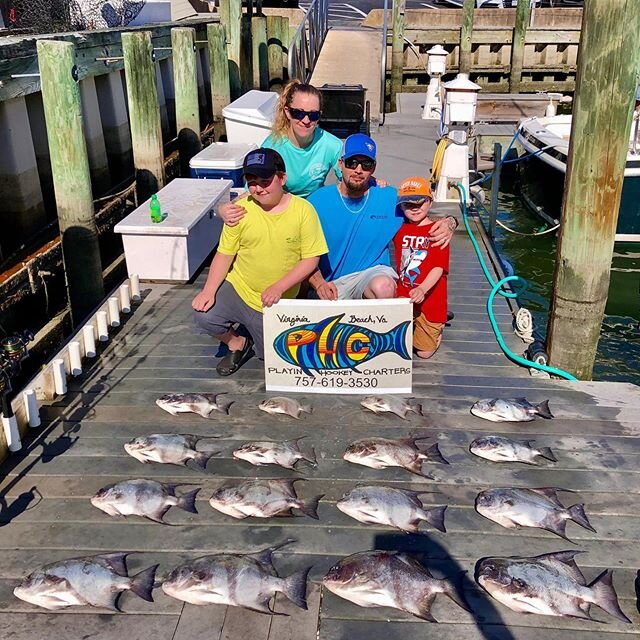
(533, 258)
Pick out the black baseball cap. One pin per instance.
(263, 163)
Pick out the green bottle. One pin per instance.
(154, 207)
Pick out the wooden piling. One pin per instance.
(185, 80)
(218, 72)
(231, 18)
(144, 113)
(397, 51)
(71, 175)
(246, 54)
(465, 35)
(260, 53)
(517, 45)
(605, 91)
(277, 44)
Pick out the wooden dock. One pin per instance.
(47, 515)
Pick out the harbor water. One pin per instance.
(533, 258)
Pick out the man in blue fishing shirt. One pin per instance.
(359, 221)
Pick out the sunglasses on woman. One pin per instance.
(366, 163)
(299, 114)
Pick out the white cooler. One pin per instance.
(250, 117)
(174, 249)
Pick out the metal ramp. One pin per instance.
(351, 56)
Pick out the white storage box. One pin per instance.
(174, 249)
(249, 118)
(221, 160)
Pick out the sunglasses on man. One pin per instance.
(366, 163)
(299, 114)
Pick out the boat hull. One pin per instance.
(542, 183)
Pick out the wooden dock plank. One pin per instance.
(47, 626)
(365, 630)
(200, 622)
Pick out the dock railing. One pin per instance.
(307, 41)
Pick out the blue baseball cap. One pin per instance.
(359, 145)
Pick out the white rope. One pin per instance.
(519, 233)
(538, 373)
(524, 325)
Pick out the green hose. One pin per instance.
(497, 287)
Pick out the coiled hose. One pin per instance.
(498, 288)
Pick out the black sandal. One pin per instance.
(234, 359)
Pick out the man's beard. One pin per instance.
(355, 190)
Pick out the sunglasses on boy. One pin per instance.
(299, 114)
(367, 164)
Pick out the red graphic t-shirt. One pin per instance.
(415, 257)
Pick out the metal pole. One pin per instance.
(383, 64)
(397, 51)
(495, 188)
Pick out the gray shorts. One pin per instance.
(352, 286)
(228, 310)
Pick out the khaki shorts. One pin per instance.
(426, 334)
(352, 286)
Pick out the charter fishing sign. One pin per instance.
(348, 346)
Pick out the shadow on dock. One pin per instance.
(433, 556)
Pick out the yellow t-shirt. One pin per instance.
(267, 246)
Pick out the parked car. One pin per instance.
(502, 4)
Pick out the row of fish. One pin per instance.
(493, 409)
(377, 453)
(549, 584)
(400, 508)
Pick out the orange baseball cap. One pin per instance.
(415, 189)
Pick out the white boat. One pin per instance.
(543, 175)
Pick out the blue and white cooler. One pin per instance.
(221, 161)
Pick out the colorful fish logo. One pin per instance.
(331, 344)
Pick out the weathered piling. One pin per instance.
(231, 18)
(71, 175)
(218, 71)
(144, 113)
(260, 53)
(246, 53)
(605, 90)
(277, 45)
(397, 51)
(465, 35)
(185, 80)
(517, 46)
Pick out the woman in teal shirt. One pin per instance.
(309, 152)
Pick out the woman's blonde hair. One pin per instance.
(281, 123)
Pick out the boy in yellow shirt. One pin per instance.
(275, 246)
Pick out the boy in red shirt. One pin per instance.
(422, 268)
